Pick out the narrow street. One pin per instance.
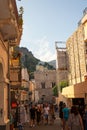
(43, 63)
(55, 126)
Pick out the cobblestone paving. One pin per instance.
(55, 126)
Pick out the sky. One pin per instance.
(48, 21)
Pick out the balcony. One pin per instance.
(15, 77)
(9, 21)
(14, 63)
(15, 74)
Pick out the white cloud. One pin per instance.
(41, 49)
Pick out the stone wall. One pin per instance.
(3, 83)
(62, 65)
(48, 78)
(76, 56)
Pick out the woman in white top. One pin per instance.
(46, 113)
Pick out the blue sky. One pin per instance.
(47, 21)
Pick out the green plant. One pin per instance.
(55, 91)
(63, 84)
(20, 21)
(16, 53)
(21, 11)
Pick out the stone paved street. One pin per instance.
(55, 126)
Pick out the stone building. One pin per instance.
(76, 53)
(24, 85)
(33, 96)
(10, 34)
(45, 80)
(62, 65)
(76, 58)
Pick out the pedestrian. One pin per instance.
(42, 113)
(61, 106)
(32, 115)
(46, 113)
(51, 114)
(38, 114)
(16, 116)
(85, 118)
(11, 121)
(23, 115)
(75, 120)
(65, 116)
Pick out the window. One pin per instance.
(43, 85)
(53, 84)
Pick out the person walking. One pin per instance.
(65, 116)
(11, 121)
(38, 114)
(51, 114)
(42, 113)
(61, 106)
(85, 118)
(46, 113)
(22, 116)
(32, 115)
(75, 120)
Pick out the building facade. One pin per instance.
(25, 85)
(45, 80)
(76, 53)
(10, 34)
(76, 56)
(62, 65)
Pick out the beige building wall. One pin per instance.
(32, 89)
(24, 84)
(62, 67)
(76, 91)
(76, 56)
(77, 62)
(3, 82)
(10, 34)
(44, 82)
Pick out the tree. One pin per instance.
(55, 91)
(63, 84)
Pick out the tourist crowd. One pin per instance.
(37, 114)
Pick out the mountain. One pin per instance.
(52, 63)
(29, 61)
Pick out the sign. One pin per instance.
(14, 105)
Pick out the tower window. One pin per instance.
(43, 85)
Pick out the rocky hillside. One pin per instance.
(29, 61)
(52, 63)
